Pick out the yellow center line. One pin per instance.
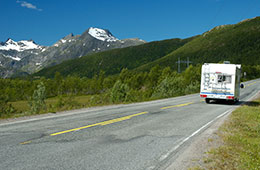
(26, 142)
(99, 124)
(180, 105)
(250, 84)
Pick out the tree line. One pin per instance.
(128, 86)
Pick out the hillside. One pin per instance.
(113, 61)
(238, 43)
(27, 57)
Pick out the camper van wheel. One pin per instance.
(207, 100)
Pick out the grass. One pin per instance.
(241, 137)
(57, 104)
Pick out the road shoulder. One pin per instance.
(193, 156)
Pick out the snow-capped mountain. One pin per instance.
(20, 45)
(103, 35)
(27, 57)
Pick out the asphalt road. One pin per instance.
(146, 135)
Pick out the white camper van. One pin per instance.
(220, 82)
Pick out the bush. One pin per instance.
(169, 87)
(60, 103)
(102, 98)
(37, 103)
(67, 102)
(5, 108)
(133, 96)
(192, 88)
(119, 92)
(71, 103)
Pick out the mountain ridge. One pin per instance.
(16, 57)
(239, 43)
(113, 61)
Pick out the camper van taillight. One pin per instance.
(230, 97)
(203, 95)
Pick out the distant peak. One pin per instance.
(19, 46)
(101, 34)
(9, 40)
(69, 36)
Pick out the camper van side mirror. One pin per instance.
(242, 86)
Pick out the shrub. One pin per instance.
(5, 108)
(37, 103)
(192, 88)
(119, 92)
(169, 87)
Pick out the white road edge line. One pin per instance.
(197, 131)
(193, 134)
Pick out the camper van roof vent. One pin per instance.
(226, 62)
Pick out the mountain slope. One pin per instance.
(112, 62)
(28, 57)
(238, 43)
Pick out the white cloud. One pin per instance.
(28, 5)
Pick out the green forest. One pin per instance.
(125, 87)
(33, 96)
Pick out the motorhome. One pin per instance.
(220, 82)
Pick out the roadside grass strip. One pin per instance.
(241, 140)
(100, 123)
(179, 105)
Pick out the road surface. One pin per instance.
(146, 135)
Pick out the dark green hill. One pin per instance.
(238, 43)
(113, 61)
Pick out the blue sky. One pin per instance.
(47, 21)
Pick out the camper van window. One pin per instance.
(220, 78)
(224, 79)
(228, 79)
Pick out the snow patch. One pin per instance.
(63, 41)
(14, 58)
(20, 45)
(101, 34)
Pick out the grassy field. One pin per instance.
(241, 137)
(57, 104)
